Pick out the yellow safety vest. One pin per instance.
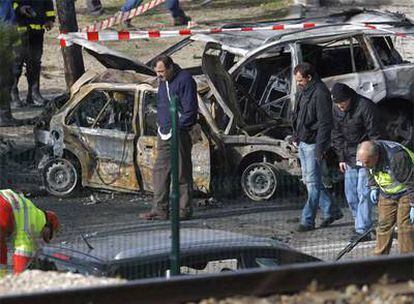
(384, 179)
(28, 222)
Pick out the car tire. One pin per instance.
(61, 177)
(259, 181)
(399, 126)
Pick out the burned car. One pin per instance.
(246, 92)
(136, 255)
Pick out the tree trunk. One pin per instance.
(72, 55)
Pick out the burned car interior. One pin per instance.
(111, 110)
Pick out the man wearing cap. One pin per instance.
(22, 221)
(391, 166)
(356, 119)
(312, 124)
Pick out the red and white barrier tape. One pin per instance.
(118, 18)
(383, 29)
(132, 35)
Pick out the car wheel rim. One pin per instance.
(259, 181)
(61, 177)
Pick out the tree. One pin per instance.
(8, 40)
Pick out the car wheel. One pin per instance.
(259, 181)
(399, 127)
(61, 177)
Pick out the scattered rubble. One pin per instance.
(402, 293)
(38, 281)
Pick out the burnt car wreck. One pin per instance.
(104, 134)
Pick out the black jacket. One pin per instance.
(312, 116)
(359, 123)
(183, 86)
(43, 12)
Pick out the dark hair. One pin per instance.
(305, 69)
(168, 62)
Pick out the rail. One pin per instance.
(287, 279)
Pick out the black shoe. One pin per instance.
(326, 222)
(181, 20)
(303, 228)
(358, 236)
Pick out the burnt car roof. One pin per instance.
(336, 24)
(134, 244)
(243, 42)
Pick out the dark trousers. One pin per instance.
(174, 8)
(29, 52)
(162, 169)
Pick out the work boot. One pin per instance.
(303, 228)
(16, 102)
(326, 222)
(154, 215)
(34, 97)
(181, 20)
(185, 214)
(358, 236)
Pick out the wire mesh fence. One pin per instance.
(103, 235)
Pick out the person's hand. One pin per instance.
(48, 25)
(291, 140)
(374, 195)
(342, 166)
(412, 215)
(26, 10)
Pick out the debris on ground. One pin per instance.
(37, 281)
(401, 293)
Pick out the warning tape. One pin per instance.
(123, 16)
(132, 35)
(383, 29)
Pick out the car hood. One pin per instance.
(113, 59)
(124, 245)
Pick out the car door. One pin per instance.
(103, 121)
(147, 146)
(356, 67)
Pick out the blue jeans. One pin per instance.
(130, 4)
(357, 194)
(174, 7)
(317, 194)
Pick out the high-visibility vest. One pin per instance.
(28, 222)
(384, 178)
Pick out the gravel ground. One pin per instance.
(37, 281)
(402, 293)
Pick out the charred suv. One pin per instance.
(104, 136)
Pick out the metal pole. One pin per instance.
(72, 55)
(174, 198)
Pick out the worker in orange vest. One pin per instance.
(25, 224)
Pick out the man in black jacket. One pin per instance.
(356, 119)
(33, 18)
(173, 83)
(312, 123)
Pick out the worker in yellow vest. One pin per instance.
(25, 224)
(391, 168)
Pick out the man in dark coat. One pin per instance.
(356, 119)
(312, 124)
(174, 83)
